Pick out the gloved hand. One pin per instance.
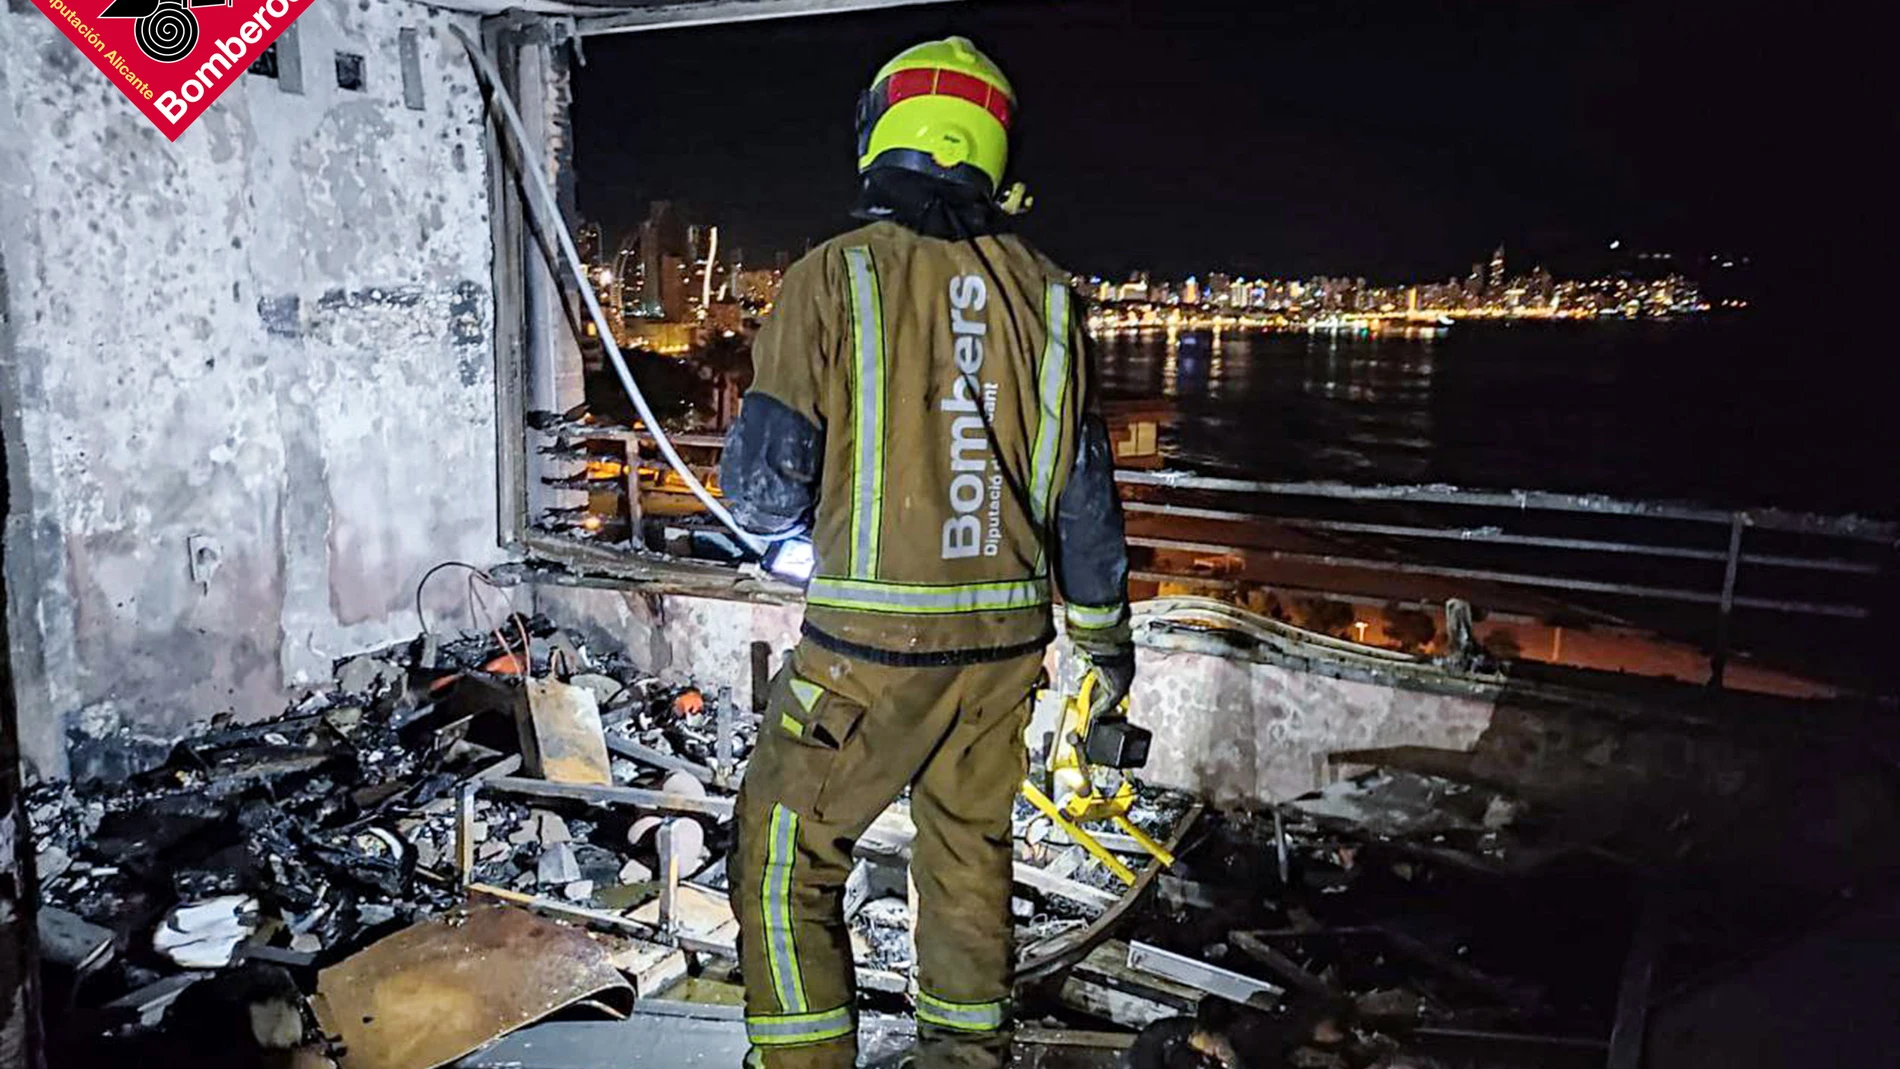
(1113, 676)
(1112, 741)
(1108, 657)
(1108, 654)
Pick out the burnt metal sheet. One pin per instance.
(444, 988)
(561, 737)
(1226, 983)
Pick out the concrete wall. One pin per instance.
(274, 334)
(1234, 731)
(703, 641)
(1238, 731)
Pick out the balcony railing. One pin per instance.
(1677, 570)
(1800, 590)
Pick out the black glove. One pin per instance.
(1112, 741)
(1114, 674)
(1108, 653)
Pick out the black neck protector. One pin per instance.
(930, 206)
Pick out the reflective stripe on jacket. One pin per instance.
(947, 406)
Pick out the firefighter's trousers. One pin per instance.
(842, 738)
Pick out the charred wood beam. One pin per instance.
(1296, 977)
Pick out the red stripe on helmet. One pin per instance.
(998, 105)
(933, 81)
(916, 82)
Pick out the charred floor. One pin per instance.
(506, 847)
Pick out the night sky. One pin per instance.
(1395, 142)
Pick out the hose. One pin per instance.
(548, 216)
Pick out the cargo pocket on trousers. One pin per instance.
(818, 725)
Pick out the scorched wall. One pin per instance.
(273, 336)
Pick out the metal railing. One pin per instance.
(1605, 551)
(1584, 555)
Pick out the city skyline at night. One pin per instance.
(1385, 142)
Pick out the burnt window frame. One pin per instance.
(537, 313)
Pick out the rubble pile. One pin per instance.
(1392, 918)
(512, 769)
(300, 840)
(511, 821)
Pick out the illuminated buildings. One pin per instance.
(1487, 292)
(587, 242)
(757, 288)
(663, 251)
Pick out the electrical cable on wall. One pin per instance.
(548, 216)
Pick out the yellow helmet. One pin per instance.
(941, 108)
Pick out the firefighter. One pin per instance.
(923, 411)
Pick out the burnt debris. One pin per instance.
(513, 798)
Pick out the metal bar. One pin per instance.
(1482, 534)
(1368, 600)
(1589, 586)
(636, 514)
(1632, 997)
(1225, 983)
(723, 12)
(723, 713)
(659, 801)
(637, 751)
(1034, 878)
(669, 859)
(511, 313)
(1852, 527)
(1767, 519)
(1718, 660)
(1575, 1042)
(1073, 1038)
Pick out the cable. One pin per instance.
(548, 213)
(480, 617)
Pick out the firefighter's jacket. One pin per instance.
(924, 406)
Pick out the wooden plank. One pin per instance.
(702, 916)
(1297, 978)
